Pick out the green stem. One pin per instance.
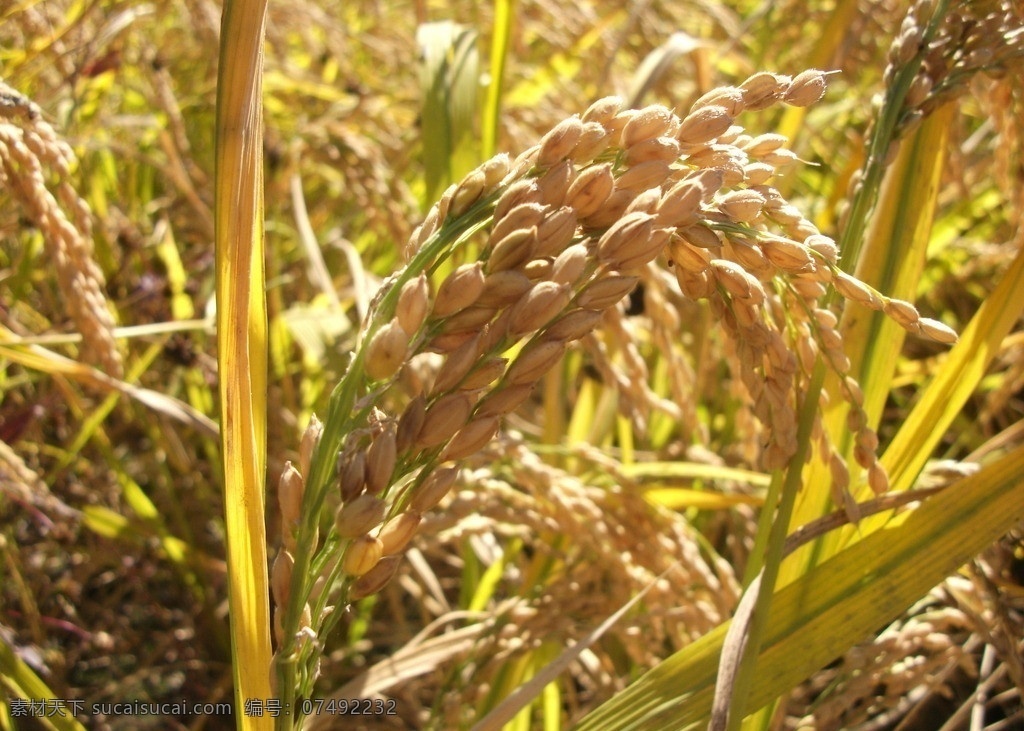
(775, 549)
(503, 16)
(884, 134)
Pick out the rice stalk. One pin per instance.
(241, 346)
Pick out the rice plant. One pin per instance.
(697, 407)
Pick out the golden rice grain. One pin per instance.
(495, 169)
(504, 288)
(413, 304)
(575, 324)
(629, 229)
(553, 184)
(538, 269)
(840, 474)
(763, 89)
(703, 125)
(853, 289)
(568, 266)
(701, 236)
(281, 578)
(556, 231)
(728, 97)
(471, 438)
(610, 212)
(467, 193)
(687, 258)
(757, 173)
(456, 365)
(362, 555)
(380, 459)
(459, 289)
(824, 246)
(806, 88)
(375, 579)
(937, 331)
(432, 490)
(741, 205)
(878, 479)
(559, 142)
(592, 142)
(445, 417)
(522, 216)
(540, 305)
(606, 291)
(643, 176)
(646, 124)
(680, 205)
(534, 361)
(397, 532)
(387, 351)
(290, 488)
(351, 474)
(729, 161)
(483, 374)
(904, 313)
(591, 189)
(665, 149)
(603, 111)
(808, 288)
(505, 400)
(733, 277)
(645, 202)
(467, 322)
(309, 442)
(360, 515)
(444, 203)
(516, 194)
(512, 250)
(764, 144)
(410, 423)
(779, 158)
(788, 256)
(633, 257)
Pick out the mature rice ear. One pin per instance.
(40, 163)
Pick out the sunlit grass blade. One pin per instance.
(242, 346)
(835, 605)
(38, 358)
(448, 79)
(504, 16)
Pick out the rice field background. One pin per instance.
(372, 367)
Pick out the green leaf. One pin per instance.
(836, 605)
(449, 75)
